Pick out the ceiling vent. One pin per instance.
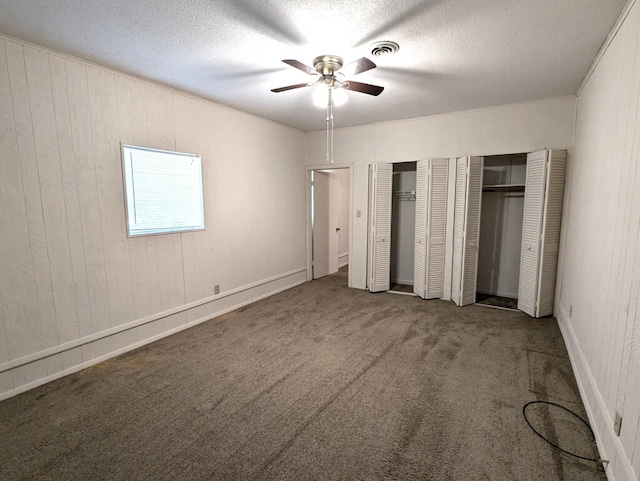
(384, 48)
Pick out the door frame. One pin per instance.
(309, 169)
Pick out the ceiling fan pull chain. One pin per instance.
(330, 125)
(327, 150)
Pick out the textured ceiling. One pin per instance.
(454, 54)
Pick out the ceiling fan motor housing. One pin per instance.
(327, 64)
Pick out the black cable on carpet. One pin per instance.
(524, 413)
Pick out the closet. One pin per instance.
(403, 226)
(543, 191)
(419, 189)
(475, 258)
(503, 190)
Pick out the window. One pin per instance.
(163, 191)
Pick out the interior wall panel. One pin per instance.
(358, 230)
(27, 334)
(49, 175)
(14, 237)
(74, 289)
(84, 160)
(597, 295)
(69, 187)
(106, 137)
(132, 121)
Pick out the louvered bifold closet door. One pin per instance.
(458, 229)
(420, 248)
(380, 251)
(534, 194)
(550, 239)
(471, 231)
(438, 178)
(370, 227)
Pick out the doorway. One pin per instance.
(501, 219)
(403, 227)
(330, 199)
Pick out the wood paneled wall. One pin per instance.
(73, 288)
(597, 299)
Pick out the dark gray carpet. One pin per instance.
(402, 288)
(496, 301)
(319, 382)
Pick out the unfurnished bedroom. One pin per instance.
(319, 240)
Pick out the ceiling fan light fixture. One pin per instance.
(321, 91)
(319, 95)
(386, 47)
(340, 96)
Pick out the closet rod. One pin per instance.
(503, 188)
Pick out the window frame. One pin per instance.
(123, 154)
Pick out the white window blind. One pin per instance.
(163, 191)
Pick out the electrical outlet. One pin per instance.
(617, 424)
(358, 213)
(216, 289)
(570, 310)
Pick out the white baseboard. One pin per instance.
(618, 467)
(343, 260)
(31, 371)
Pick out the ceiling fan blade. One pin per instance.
(364, 88)
(357, 66)
(290, 87)
(300, 66)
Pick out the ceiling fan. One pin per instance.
(329, 71)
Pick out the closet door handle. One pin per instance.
(337, 229)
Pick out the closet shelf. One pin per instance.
(405, 195)
(503, 188)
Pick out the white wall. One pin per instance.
(599, 272)
(358, 232)
(73, 288)
(508, 129)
